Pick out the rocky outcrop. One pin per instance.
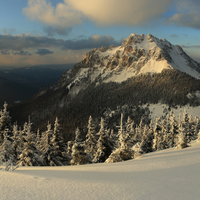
(137, 54)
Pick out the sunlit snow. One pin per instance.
(167, 174)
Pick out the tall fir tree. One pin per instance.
(91, 141)
(104, 145)
(5, 123)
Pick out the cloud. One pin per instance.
(22, 42)
(51, 31)
(102, 12)
(187, 14)
(22, 53)
(5, 52)
(190, 46)
(43, 52)
(94, 41)
(60, 17)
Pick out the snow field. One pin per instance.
(157, 110)
(167, 174)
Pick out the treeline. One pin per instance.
(170, 87)
(23, 147)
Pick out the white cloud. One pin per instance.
(60, 17)
(187, 15)
(120, 12)
(102, 12)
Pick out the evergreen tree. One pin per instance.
(60, 147)
(69, 148)
(79, 154)
(137, 150)
(38, 140)
(5, 123)
(146, 143)
(54, 152)
(104, 146)
(17, 141)
(182, 138)
(157, 135)
(173, 131)
(186, 126)
(90, 141)
(30, 156)
(123, 152)
(130, 131)
(6, 150)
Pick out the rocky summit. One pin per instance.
(138, 54)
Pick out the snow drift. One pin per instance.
(167, 174)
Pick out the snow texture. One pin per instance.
(167, 174)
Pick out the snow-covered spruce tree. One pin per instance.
(6, 150)
(137, 150)
(69, 148)
(186, 125)
(54, 151)
(46, 147)
(196, 127)
(38, 140)
(30, 156)
(79, 154)
(130, 131)
(60, 146)
(123, 152)
(5, 122)
(91, 141)
(146, 142)
(17, 141)
(173, 131)
(157, 135)
(182, 138)
(104, 145)
(138, 132)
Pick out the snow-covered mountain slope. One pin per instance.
(137, 55)
(167, 174)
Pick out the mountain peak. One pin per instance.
(137, 55)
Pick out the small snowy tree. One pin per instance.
(182, 138)
(79, 154)
(157, 135)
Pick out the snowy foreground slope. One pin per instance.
(168, 174)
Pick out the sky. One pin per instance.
(37, 32)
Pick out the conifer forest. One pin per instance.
(20, 146)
